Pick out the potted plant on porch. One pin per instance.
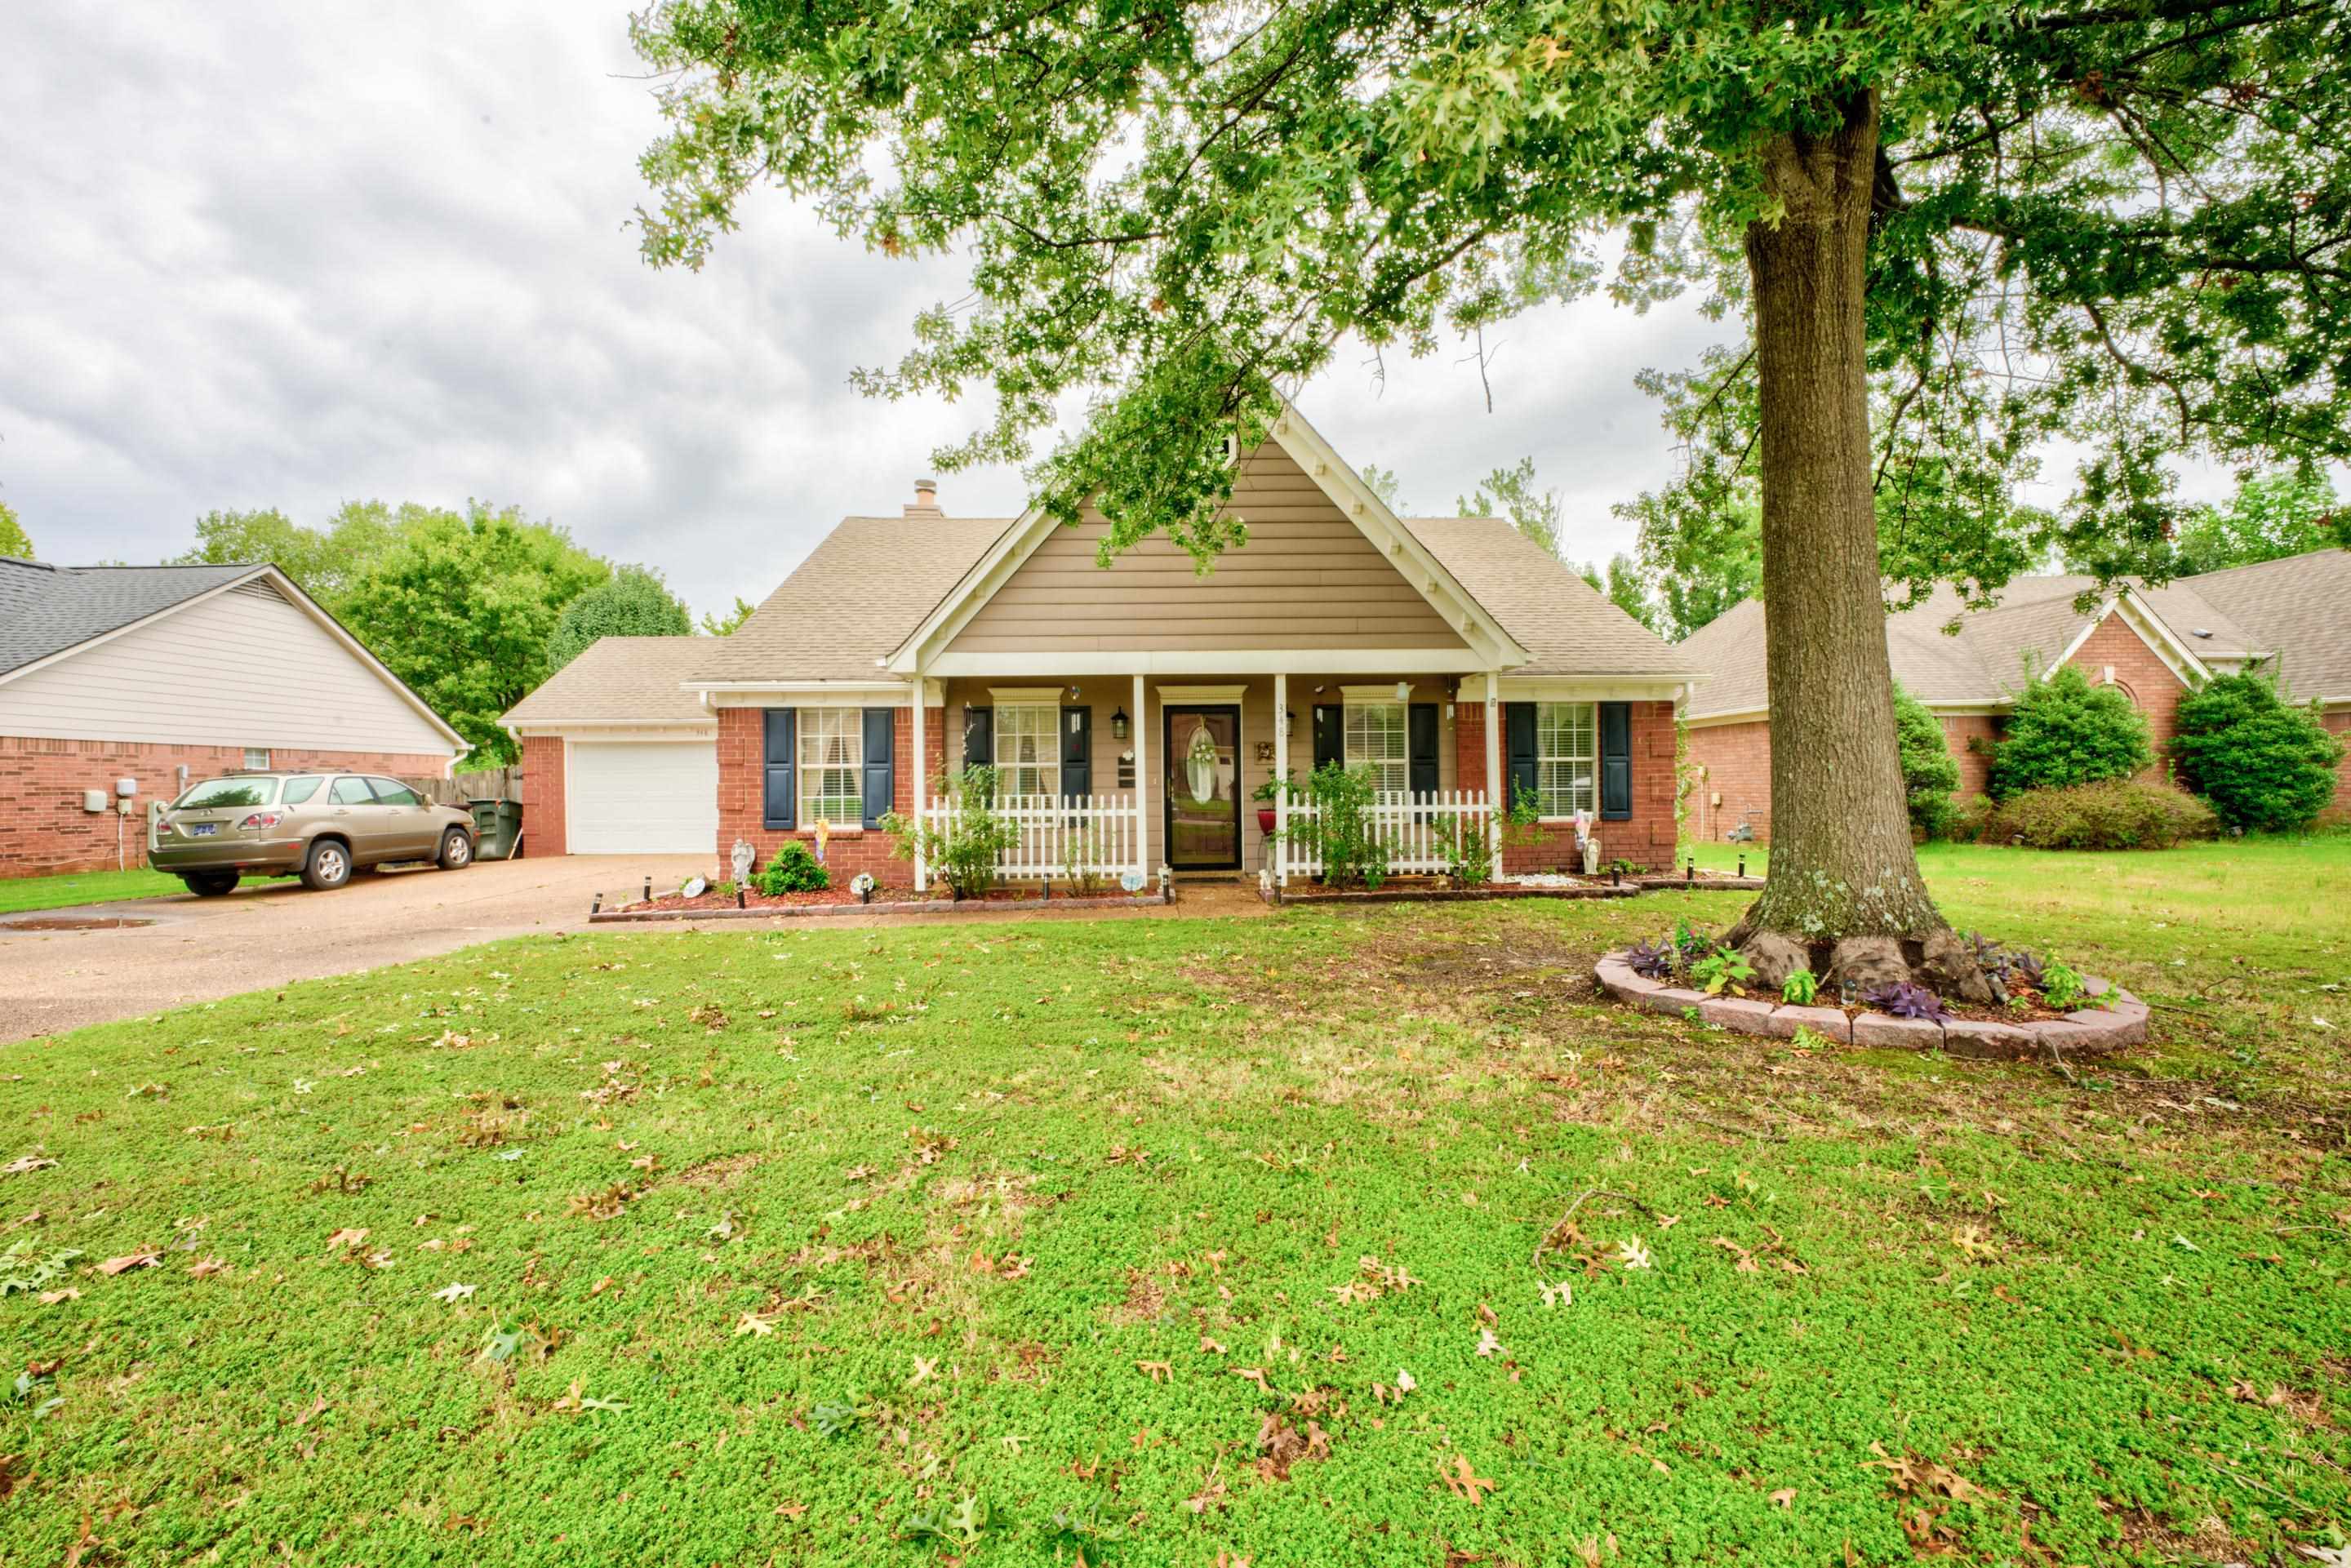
(1264, 795)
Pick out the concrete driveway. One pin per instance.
(271, 932)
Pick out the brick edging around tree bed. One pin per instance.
(2090, 1031)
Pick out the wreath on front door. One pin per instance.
(1200, 764)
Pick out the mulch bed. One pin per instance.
(1440, 894)
(840, 901)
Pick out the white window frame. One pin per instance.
(1367, 723)
(253, 751)
(1037, 722)
(829, 743)
(1567, 766)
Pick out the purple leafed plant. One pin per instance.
(1989, 957)
(2025, 965)
(1904, 1000)
(1652, 960)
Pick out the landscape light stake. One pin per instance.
(1689, 872)
(596, 903)
(649, 890)
(739, 898)
(1615, 877)
(1742, 863)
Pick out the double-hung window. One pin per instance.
(831, 767)
(1376, 738)
(1028, 748)
(1566, 751)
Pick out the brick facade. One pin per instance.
(44, 830)
(2339, 723)
(1738, 757)
(1647, 838)
(542, 795)
(742, 782)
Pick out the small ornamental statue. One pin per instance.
(823, 837)
(740, 857)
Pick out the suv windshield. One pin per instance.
(224, 793)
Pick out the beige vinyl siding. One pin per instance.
(242, 668)
(1107, 694)
(1307, 579)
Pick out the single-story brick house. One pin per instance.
(2291, 615)
(159, 675)
(1134, 708)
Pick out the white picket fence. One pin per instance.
(1058, 835)
(1415, 826)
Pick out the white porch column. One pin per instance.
(1142, 783)
(1281, 766)
(922, 756)
(1496, 810)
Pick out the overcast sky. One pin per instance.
(290, 255)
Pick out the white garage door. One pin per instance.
(642, 797)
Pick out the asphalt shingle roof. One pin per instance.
(2297, 609)
(1567, 626)
(635, 678)
(45, 610)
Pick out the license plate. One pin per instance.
(203, 830)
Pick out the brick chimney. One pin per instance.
(926, 499)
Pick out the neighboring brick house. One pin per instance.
(161, 675)
(1133, 709)
(2153, 643)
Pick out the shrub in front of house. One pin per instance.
(2111, 814)
(2264, 764)
(2065, 731)
(1929, 772)
(794, 868)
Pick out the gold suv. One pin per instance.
(321, 826)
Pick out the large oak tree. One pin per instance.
(1950, 227)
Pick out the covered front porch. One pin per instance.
(1119, 775)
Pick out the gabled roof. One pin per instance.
(853, 601)
(51, 612)
(2298, 610)
(1340, 484)
(46, 610)
(622, 679)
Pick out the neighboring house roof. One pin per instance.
(620, 680)
(1567, 626)
(2297, 609)
(2300, 609)
(51, 613)
(46, 610)
(852, 600)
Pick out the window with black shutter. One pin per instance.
(881, 780)
(1615, 761)
(1522, 772)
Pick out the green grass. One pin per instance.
(1062, 1217)
(85, 887)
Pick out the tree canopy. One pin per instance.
(717, 625)
(632, 602)
(327, 562)
(2273, 514)
(12, 538)
(462, 607)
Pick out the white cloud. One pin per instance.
(289, 255)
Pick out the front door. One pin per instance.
(1203, 800)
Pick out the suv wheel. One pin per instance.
(328, 865)
(456, 850)
(210, 883)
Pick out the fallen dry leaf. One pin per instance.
(1463, 1482)
(147, 1259)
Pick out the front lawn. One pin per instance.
(29, 893)
(1185, 1241)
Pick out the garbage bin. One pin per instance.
(496, 825)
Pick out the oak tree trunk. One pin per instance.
(1841, 862)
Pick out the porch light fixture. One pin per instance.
(1404, 691)
(1118, 723)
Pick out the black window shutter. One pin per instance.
(978, 738)
(1522, 770)
(1421, 735)
(1615, 761)
(1329, 734)
(881, 764)
(779, 800)
(1077, 752)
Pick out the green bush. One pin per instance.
(794, 868)
(632, 603)
(2263, 763)
(2113, 814)
(964, 853)
(1929, 772)
(1338, 831)
(2063, 732)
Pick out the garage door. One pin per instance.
(642, 797)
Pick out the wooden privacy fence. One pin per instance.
(489, 784)
(1057, 836)
(1416, 828)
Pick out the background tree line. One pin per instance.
(473, 608)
